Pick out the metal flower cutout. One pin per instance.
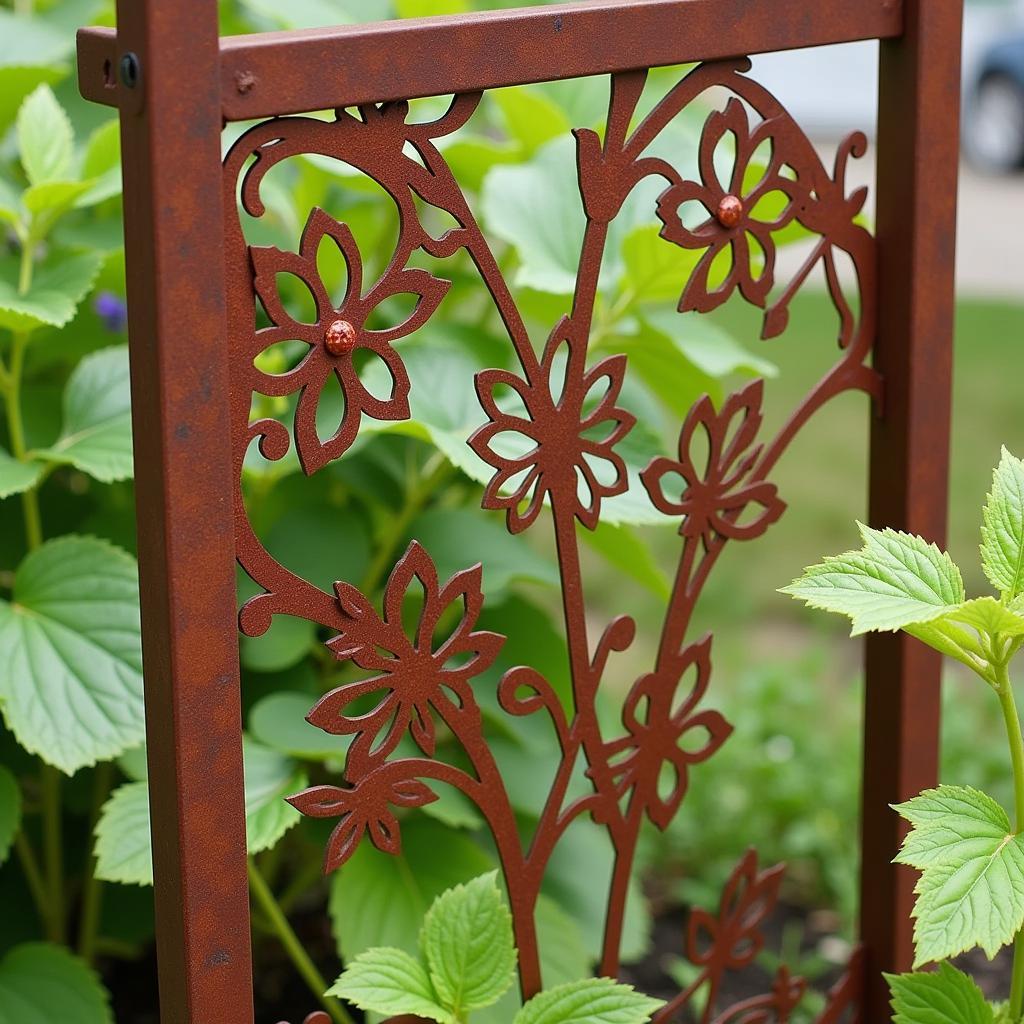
(662, 732)
(732, 939)
(339, 337)
(415, 676)
(362, 809)
(713, 497)
(735, 207)
(560, 438)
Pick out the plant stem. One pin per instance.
(92, 895)
(1016, 739)
(298, 956)
(34, 877)
(16, 430)
(52, 851)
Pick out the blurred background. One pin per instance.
(789, 680)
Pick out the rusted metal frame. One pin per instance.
(176, 299)
(273, 73)
(918, 147)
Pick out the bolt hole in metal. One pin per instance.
(108, 74)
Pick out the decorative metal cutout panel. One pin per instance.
(551, 431)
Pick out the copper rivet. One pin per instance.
(730, 210)
(340, 338)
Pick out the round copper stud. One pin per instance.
(729, 212)
(340, 338)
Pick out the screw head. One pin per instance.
(340, 338)
(129, 71)
(730, 211)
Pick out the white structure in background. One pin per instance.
(850, 72)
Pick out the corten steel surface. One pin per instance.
(549, 429)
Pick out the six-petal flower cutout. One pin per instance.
(555, 437)
(712, 491)
(339, 336)
(664, 732)
(413, 677)
(733, 208)
(362, 809)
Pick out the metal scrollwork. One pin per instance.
(557, 449)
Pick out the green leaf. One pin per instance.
(380, 900)
(536, 207)
(468, 945)
(656, 270)
(530, 117)
(624, 548)
(895, 580)
(42, 984)
(947, 996)
(71, 691)
(589, 1001)
(97, 433)
(286, 643)
(279, 721)
(459, 537)
(987, 616)
(10, 811)
(101, 165)
(319, 13)
(45, 138)
(1002, 531)
(390, 981)
(430, 8)
(16, 476)
(18, 80)
(971, 890)
(57, 288)
(123, 849)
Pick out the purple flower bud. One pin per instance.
(110, 308)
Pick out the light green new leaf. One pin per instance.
(590, 1001)
(947, 996)
(71, 689)
(101, 165)
(45, 138)
(1002, 531)
(378, 899)
(16, 476)
(971, 890)
(123, 849)
(18, 80)
(57, 289)
(895, 580)
(10, 811)
(987, 615)
(97, 433)
(468, 945)
(388, 980)
(42, 984)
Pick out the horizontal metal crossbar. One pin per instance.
(291, 72)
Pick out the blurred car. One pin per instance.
(994, 116)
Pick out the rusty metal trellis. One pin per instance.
(194, 283)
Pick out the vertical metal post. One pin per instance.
(918, 160)
(169, 69)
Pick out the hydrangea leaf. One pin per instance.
(590, 1001)
(468, 945)
(895, 580)
(947, 996)
(16, 476)
(45, 138)
(96, 436)
(971, 890)
(123, 848)
(58, 286)
(71, 690)
(41, 984)
(1002, 531)
(390, 981)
